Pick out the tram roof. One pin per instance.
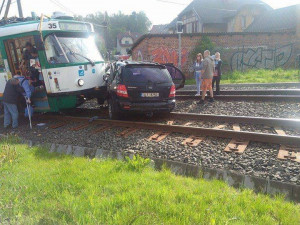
(47, 25)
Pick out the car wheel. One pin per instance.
(113, 110)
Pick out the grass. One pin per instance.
(257, 76)
(37, 187)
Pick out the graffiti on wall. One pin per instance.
(169, 55)
(261, 58)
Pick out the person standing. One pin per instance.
(10, 99)
(197, 68)
(218, 73)
(207, 74)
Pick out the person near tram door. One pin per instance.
(31, 63)
(30, 53)
(10, 99)
(217, 73)
(26, 85)
(28, 90)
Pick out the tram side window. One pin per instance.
(2, 66)
(53, 52)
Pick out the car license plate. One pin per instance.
(149, 95)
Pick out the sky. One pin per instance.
(158, 11)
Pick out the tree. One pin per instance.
(118, 23)
(204, 44)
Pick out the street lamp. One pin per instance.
(179, 30)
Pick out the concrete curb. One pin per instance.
(234, 179)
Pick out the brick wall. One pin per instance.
(239, 51)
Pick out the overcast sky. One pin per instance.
(158, 11)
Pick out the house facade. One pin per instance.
(214, 16)
(125, 41)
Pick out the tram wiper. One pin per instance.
(75, 53)
(88, 59)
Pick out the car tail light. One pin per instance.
(122, 91)
(172, 92)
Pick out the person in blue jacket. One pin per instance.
(26, 85)
(197, 72)
(27, 93)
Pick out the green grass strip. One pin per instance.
(257, 76)
(37, 187)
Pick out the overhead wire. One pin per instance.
(63, 7)
(171, 2)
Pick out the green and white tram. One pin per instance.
(69, 63)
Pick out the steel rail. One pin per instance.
(273, 98)
(248, 92)
(274, 122)
(211, 132)
(287, 84)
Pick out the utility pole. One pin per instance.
(179, 29)
(20, 8)
(7, 9)
(2, 6)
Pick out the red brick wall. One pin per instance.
(238, 50)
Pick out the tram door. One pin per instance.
(15, 49)
(14, 56)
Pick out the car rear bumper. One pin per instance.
(166, 106)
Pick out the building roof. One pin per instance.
(218, 11)
(133, 35)
(159, 29)
(276, 20)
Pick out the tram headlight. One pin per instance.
(80, 82)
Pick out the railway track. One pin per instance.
(289, 144)
(248, 92)
(264, 98)
(287, 95)
(272, 122)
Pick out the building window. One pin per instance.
(189, 22)
(244, 22)
(189, 28)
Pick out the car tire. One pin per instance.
(113, 110)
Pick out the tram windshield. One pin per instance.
(62, 48)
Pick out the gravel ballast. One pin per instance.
(259, 159)
(241, 108)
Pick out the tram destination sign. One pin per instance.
(75, 26)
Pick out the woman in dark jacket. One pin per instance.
(218, 73)
(197, 72)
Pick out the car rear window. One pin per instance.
(145, 75)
